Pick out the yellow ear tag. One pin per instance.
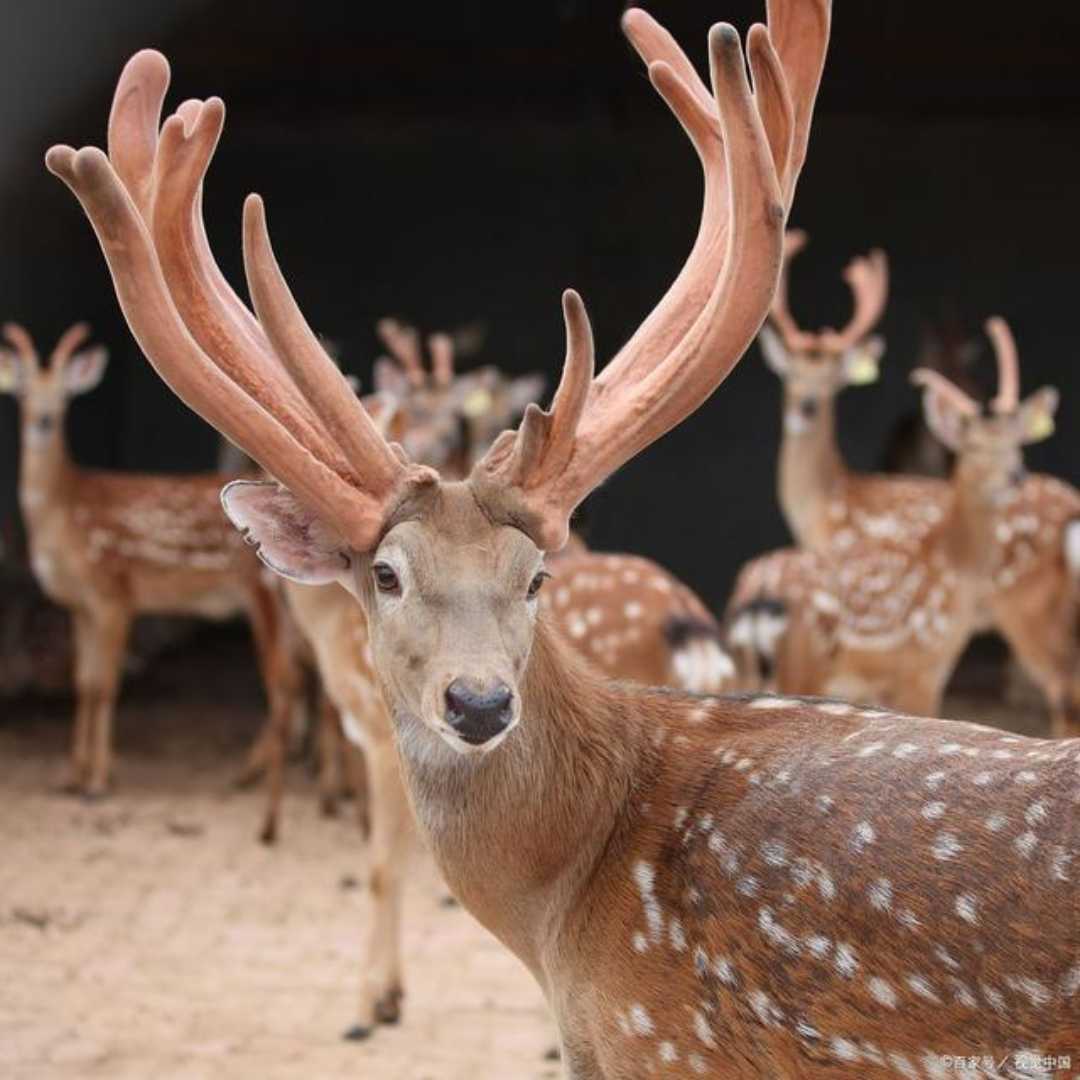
(477, 403)
(1040, 426)
(9, 378)
(862, 370)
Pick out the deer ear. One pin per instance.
(85, 370)
(11, 375)
(774, 351)
(1036, 415)
(287, 536)
(860, 362)
(947, 423)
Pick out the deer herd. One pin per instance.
(704, 876)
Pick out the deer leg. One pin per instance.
(330, 751)
(391, 832)
(77, 769)
(282, 682)
(109, 642)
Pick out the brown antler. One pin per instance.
(1008, 395)
(403, 341)
(868, 278)
(268, 386)
(18, 337)
(69, 341)
(780, 312)
(535, 477)
(441, 348)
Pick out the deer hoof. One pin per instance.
(328, 806)
(388, 1007)
(358, 1033)
(268, 835)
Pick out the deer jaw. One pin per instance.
(451, 616)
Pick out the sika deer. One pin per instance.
(1031, 524)
(764, 887)
(109, 546)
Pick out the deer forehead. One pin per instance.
(454, 544)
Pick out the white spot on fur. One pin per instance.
(933, 810)
(946, 846)
(668, 1053)
(996, 821)
(843, 1049)
(965, 908)
(862, 836)
(640, 1021)
(880, 894)
(1026, 843)
(919, 985)
(845, 961)
(882, 992)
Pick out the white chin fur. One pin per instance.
(795, 423)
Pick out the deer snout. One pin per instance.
(478, 714)
(1017, 475)
(809, 408)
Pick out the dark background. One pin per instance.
(456, 163)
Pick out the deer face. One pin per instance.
(44, 392)
(451, 603)
(813, 376)
(989, 447)
(450, 597)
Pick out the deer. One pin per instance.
(1031, 534)
(882, 612)
(742, 887)
(109, 546)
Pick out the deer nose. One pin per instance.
(478, 715)
(45, 424)
(808, 407)
(1017, 476)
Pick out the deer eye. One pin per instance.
(385, 579)
(534, 585)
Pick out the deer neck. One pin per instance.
(971, 524)
(811, 470)
(518, 832)
(45, 474)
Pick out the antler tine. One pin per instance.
(403, 341)
(318, 377)
(185, 148)
(936, 383)
(1008, 395)
(868, 278)
(800, 31)
(133, 151)
(69, 341)
(133, 125)
(540, 475)
(441, 348)
(780, 311)
(191, 374)
(20, 340)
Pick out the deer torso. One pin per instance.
(158, 544)
(766, 886)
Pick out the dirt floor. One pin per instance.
(150, 936)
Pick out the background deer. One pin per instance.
(109, 546)
(1031, 535)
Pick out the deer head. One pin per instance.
(441, 417)
(989, 445)
(448, 572)
(815, 367)
(44, 391)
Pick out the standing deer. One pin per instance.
(109, 546)
(881, 613)
(759, 887)
(1031, 524)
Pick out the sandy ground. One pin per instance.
(150, 935)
